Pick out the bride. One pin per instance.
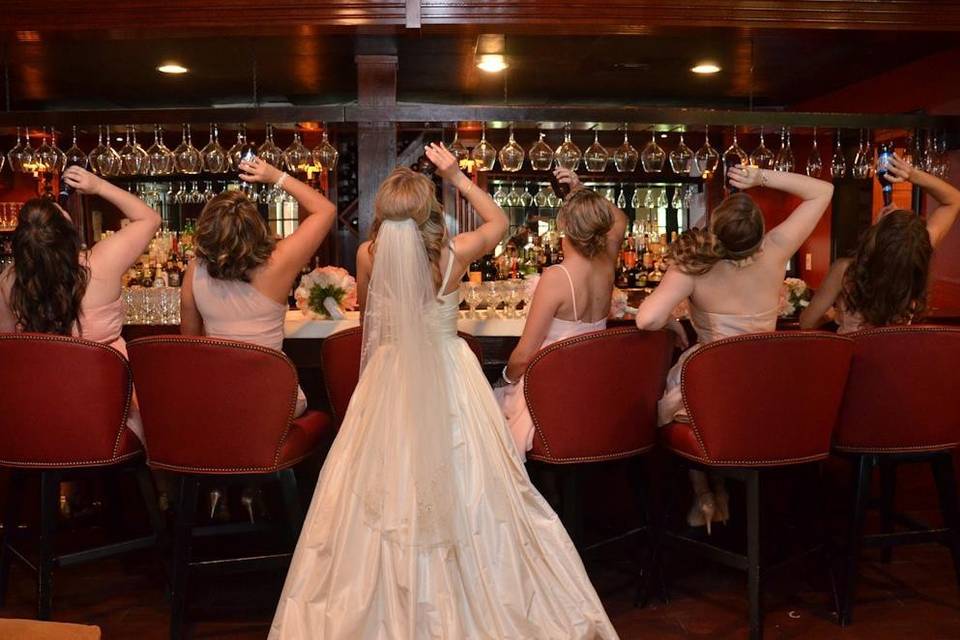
(424, 523)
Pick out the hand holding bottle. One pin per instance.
(259, 170)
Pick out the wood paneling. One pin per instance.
(614, 16)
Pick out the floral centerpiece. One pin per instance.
(325, 293)
(795, 295)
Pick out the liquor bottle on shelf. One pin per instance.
(159, 278)
(173, 274)
(475, 272)
(883, 167)
(489, 268)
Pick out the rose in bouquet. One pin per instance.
(795, 295)
(326, 292)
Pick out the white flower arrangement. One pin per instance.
(795, 296)
(325, 293)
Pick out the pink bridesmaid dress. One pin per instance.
(511, 398)
(235, 310)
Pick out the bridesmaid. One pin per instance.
(56, 286)
(238, 286)
(885, 282)
(732, 274)
(571, 298)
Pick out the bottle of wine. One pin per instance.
(883, 167)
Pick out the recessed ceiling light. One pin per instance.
(706, 68)
(492, 62)
(172, 68)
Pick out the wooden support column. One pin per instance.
(376, 141)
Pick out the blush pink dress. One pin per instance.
(102, 324)
(511, 398)
(235, 310)
(709, 327)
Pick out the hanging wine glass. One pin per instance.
(296, 157)
(814, 161)
(661, 198)
(132, 162)
(460, 152)
(186, 157)
(484, 155)
(59, 157)
(676, 202)
(868, 160)
(511, 155)
(240, 149)
(325, 154)
(943, 160)
(838, 164)
(861, 161)
(540, 154)
(542, 199)
(653, 157)
(734, 156)
(44, 155)
(109, 163)
(568, 154)
(215, 159)
(269, 152)
(761, 157)
(649, 198)
(596, 156)
(622, 199)
(74, 156)
(625, 157)
(785, 160)
(635, 200)
(681, 158)
(707, 157)
(160, 160)
(527, 198)
(20, 155)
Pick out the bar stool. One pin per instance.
(222, 411)
(901, 406)
(753, 402)
(611, 416)
(64, 405)
(340, 358)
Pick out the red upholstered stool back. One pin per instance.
(904, 391)
(340, 355)
(594, 397)
(766, 399)
(63, 402)
(214, 406)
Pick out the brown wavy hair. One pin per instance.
(406, 194)
(232, 238)
(886, 283)
(586, 218)
(49, 279)
(735, 233)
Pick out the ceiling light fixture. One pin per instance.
(172, 68)
(492, 62)
(705, 68)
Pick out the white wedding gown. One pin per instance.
(430, 528)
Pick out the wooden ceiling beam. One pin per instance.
(553, 16)
(523, 116)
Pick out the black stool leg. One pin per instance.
(572, 515)
(861, 488)
(180, 564)
(49, 510)
(947, 490)
(888, 487)
(754, 592)
(10, 513)
(291, 503)
(149, 495)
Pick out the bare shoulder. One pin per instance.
(363, 253)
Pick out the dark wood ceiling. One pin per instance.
(775, 68)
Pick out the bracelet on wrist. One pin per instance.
(283, 177)
(503, 375)
(763, 178)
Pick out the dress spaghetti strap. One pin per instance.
(449, 270)
(573, 293)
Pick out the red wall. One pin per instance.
(945, 271)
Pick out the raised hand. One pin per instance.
(566, 176)
(82, 180)
(899, 170)
(259, 170)
(445, 161)
(744, 177)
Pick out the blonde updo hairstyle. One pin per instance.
(735, 233)
(406, 194)
(585, 220)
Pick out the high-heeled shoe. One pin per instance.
(218, 505)
(703, 511)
